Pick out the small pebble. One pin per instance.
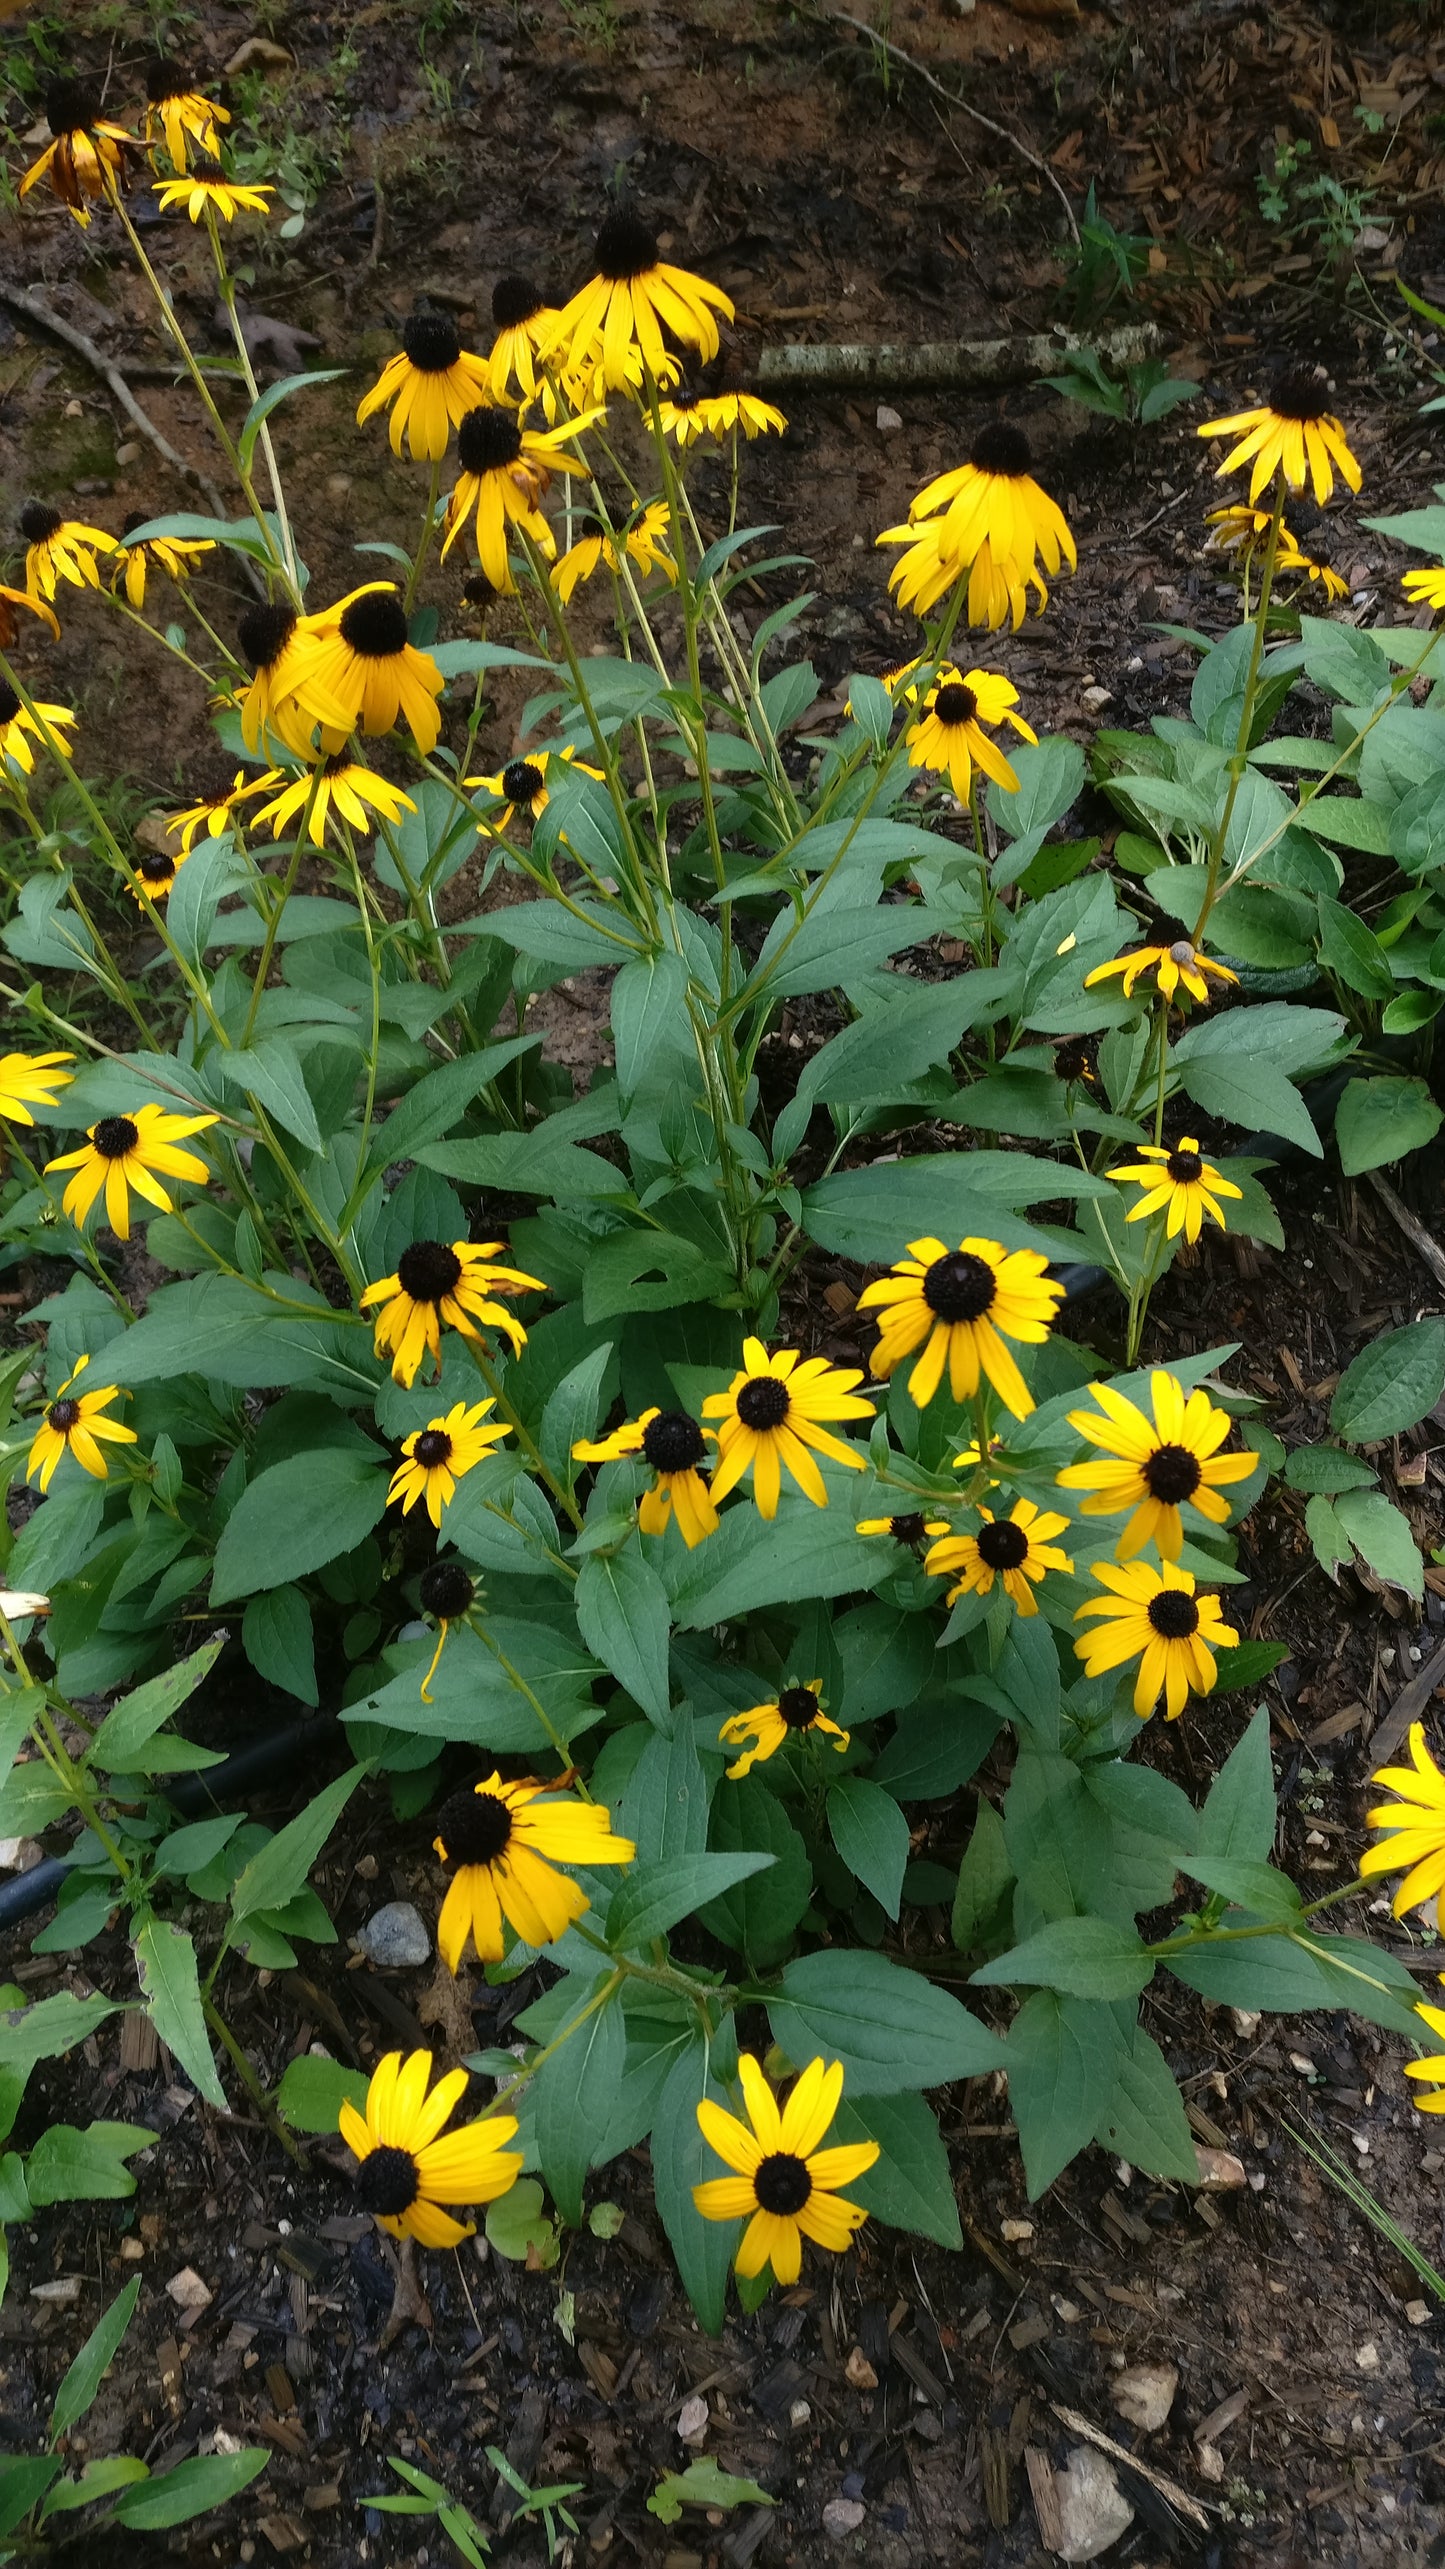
(799, 2413)
(395, 1938)
(860, 2372)
(1417, 2312)
(692, 2422)
(1368, 2357)
(889, 421)
(842, 2516)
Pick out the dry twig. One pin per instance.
(33, 307)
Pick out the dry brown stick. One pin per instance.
(34, 308)
(1167, 2488)
(1415, 1232)
(951, 98)
(1407, 1707)
(970, 364)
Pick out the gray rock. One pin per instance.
(1093, 2510)
(842, 2516)
(396, 1938)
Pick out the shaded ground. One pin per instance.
(438, 148)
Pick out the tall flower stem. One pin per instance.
(1240, 759)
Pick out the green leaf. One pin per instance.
(83, 2380)
(664, 1808)
(621, 1608)
(312, 2091)
(526, 1163)
(891, 2029)
(1252, 1094)
(1144, 2120)
(1063, 2063)
(1247, 1665)
(1381, 1534)
(705, 2483)
(166, 1962)
(1082, 1957)
(1380, 1120)
(654, 1897)
(24, 2479)
(570, 1417)
(518, 2227)
(871, 1835)
(681, 2159)
(1285, 1974)
(648, 1271)
(805, 1551)
(276, 1637)
(1350, 951)
(758, 1915)
(270, 1072)
(97, 2480)
(271, 399)
(42, 2032)
(1326, 1468)
(134, 1721)
(984, 1876)
(910, 2185)
(573, 2095)
(1238, 1818)
(1259, 1888)
(71, 2166)
(192, 2489)
(871, 1213)
(283, 1865)
(296, 1516)
(1392, 1384)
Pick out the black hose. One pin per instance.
(254, 1765)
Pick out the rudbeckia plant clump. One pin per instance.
(714, 1664)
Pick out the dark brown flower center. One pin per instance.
(263, 633)
(1299, 395)
(478, 590)
(782, 2183)
(39, 522)
(521, 781)
(432, 1449)
(625, 248)
(167, 80)
(9, 703)
(1002, 1545)
(1184, 1167)
(961, 1287)
(63, 1415)
(685, 397)
(474, 1828)
(387, 2182)
(514, 300)
(907, 1529)
(70, 105)
(1173, 1614)
(673, 1442)
(375, 626)
(114, 1136)
(152, 866)
(798, 1707)
(488, 440)
(1073, 1061)
(763, 1401)
(431, 342)
(1172, 1474)
(1001, 448)
(954, 703)
(446, 1590)
(337, 765)
(428, 1270)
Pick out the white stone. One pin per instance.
(842, 2516)
(395, 1938)
(1144, 2394)
(1093, 2510)
(692, 2420)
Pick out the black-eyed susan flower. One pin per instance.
(795, 1713)
(504, 470)
(1154, 1616)
(643, 541)
(691, 415)
(504, 1844)
(286, 699)
(783, 2184)
(202, 194)
(1178, 1182)
(431, 383)
(909, 1529)
(154, 871)
(681, 415)
(216, 815)
(86, 157)
(408, 2166)
(1238, 528)
(22, 729)
(1293, 433)
(437, 1455)
(1293, 560)
(1182, 965)
(1017, 1549)
(523, 320)
(10, 599)
(1156, 1465)
(75, 1423)
(28, 1080)
(1433, 2069)
(770, 1422)
(125, 1154)
(960, 1306)
(676, 1447)
(950, 737)
(1412, 1842)
(448, 1592)
(1426, 588)
(1074, 1062)
(179, 114)
(60, 548)
(439, 1285)
(998, 590)
(993, 499)
(365, 662)
(176, 555)
(521, 786)
(628, 303)
(341, 789)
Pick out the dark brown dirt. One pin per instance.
(769, 153)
